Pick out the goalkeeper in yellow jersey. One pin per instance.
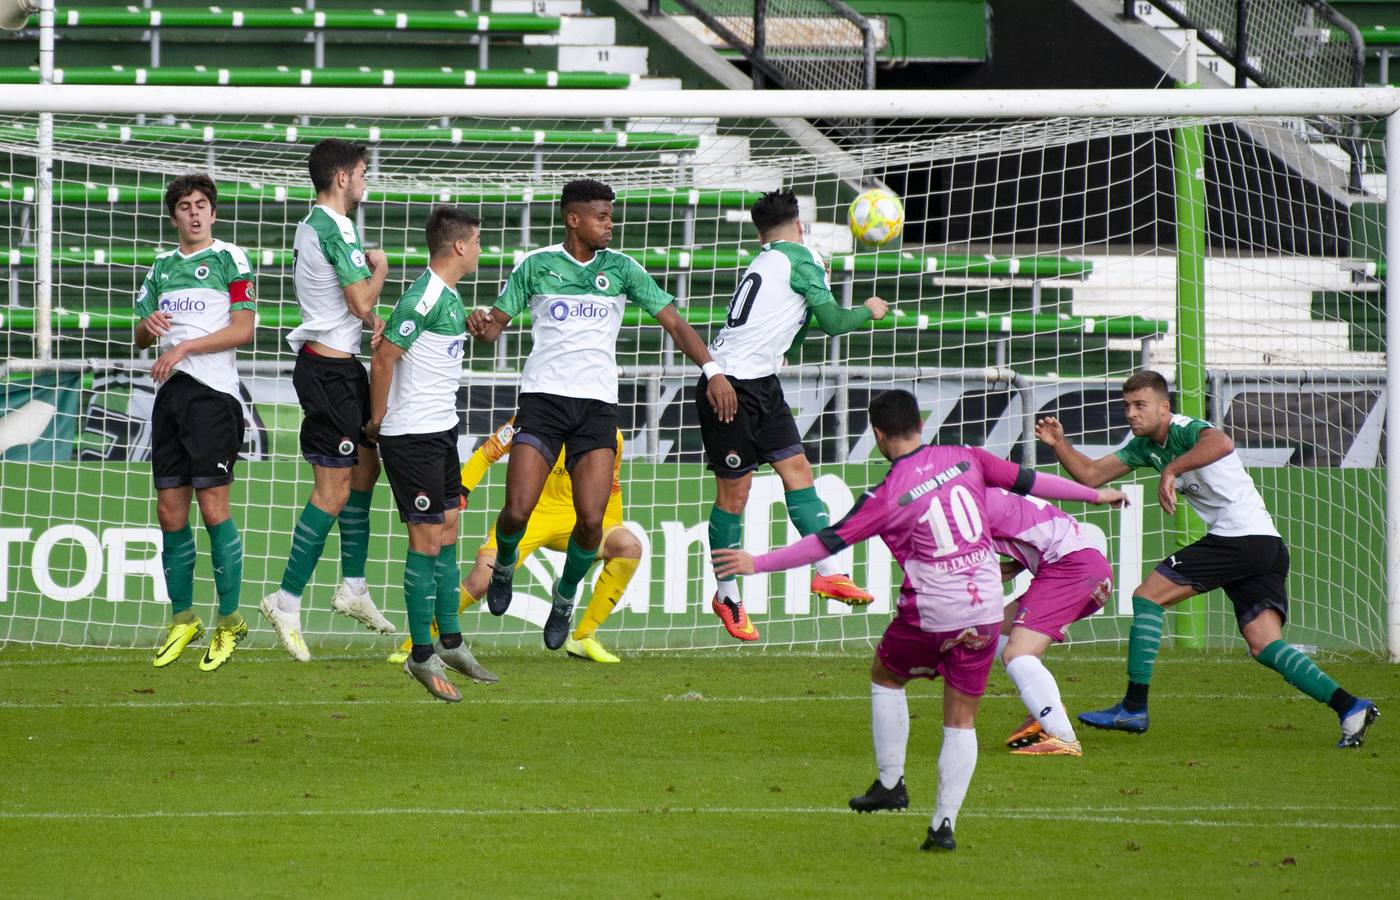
(550, 525)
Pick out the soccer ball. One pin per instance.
(876, 217)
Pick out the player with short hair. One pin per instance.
(550, 526)
(782, 290)
(930, 511)
(196, 303)
(414, 376)
(338, 283)
(1071, 580)
(575, 292)
(1241, 552)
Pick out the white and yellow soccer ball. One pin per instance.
(876, 217)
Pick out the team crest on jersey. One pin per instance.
(733, 460)
(201, 272)
(407, 328)
(601, 282)
(347, 446)
(421, 502)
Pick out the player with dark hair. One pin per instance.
(413, 415)
(930, 511)
(781, 292)
(338, 284)
(197, 304)
(1241, 552)
(576, 292)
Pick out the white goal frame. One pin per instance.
(49, 99)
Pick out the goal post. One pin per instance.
(1045, 258)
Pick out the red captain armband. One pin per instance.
(241, 292)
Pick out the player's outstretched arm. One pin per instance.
(486, 325)
(834, 319)
(238, 332)
(718, 390)
(1093, 472)
(381, 377)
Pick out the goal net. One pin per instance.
(1043, 260)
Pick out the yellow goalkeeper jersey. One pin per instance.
(558, 493)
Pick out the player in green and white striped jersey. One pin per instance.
(782, 291)
(413, 414)
(1241, 552)
(575, 292)
(197, 304)
(338, 283)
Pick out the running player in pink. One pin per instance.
(930, 512)
(1071, 580)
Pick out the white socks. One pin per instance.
(1041, 695)
(728, 590)
(356, 586)
(956, 762)
(889, 725)
(827, 566)
(288, 603)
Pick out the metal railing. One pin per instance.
(811, 53)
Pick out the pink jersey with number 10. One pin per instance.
(930, 511)
(1033, 532)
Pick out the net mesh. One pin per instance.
(808, 41)
(1039, 266)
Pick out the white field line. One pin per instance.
(267, 655)
(1103, 696)
(1099, 815)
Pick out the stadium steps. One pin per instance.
(1260, 312)
(654, 259)
(576, 42)
(286, 315)
(287, 76)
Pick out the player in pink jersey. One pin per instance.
(1071, 580)
(930, 511)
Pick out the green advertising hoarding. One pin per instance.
(79, 559)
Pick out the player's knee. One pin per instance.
(625, 544)
(330, 498)
(171, 516)
(732, 494)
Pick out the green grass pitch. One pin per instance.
(667, 776)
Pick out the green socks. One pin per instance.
(1298, 671)
(445, 577)
(805, 509)
(177, 559)
(419, 594)
(226, 551)
(354, 533)
(576, 562)
(506, 545)
(727, 530)
(1144, 640)
(308, 540)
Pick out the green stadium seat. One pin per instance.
(299, 19)
(286, 76)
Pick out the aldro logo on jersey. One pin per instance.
(561, 310)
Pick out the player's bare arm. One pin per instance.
(237, 333)
(731, 562)
(152, 328)
(1092, 472)
(381, 377)
(361, 297)
(1211, 445)
(718, 390)
(485, 325)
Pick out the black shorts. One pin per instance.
(334, 397)
(763, 430)
(1253, 570)
(423, 473)
(196, 433)
(578, 425)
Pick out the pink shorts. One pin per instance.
(1066, 591)
(962, 657)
